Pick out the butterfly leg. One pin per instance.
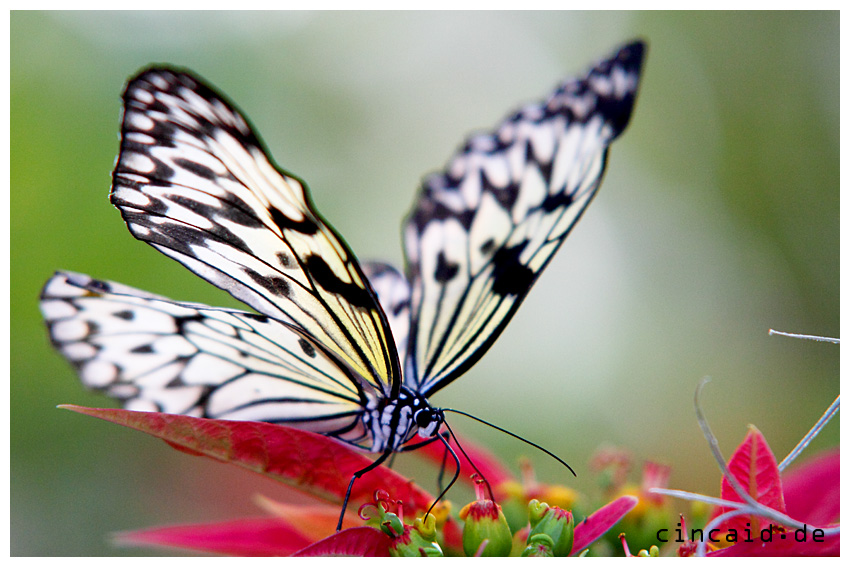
(415, 446)
(444, 440)
(391, 462)
(384, 456)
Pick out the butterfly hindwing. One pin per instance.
(193, 180)
(184, 358)
(481, 231)
(393, 294)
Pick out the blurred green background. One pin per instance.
(719, 219)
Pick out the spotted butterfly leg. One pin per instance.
(378, 462)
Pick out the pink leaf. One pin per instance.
(812, 490)
(591, 528)
(754, 467)
(313, 463)
(259, 537)
(358, 542)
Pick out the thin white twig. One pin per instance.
(813, 432)
(715, 448)
(693, 496)
(799, 336)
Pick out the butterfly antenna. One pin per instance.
(514, 435)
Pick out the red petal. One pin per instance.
(356, 542)
(591, 528)
(812, 490)
(313, 463)
(754, 467)
(313, 521)
(452, 537)
(259, 537)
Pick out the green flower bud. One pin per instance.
(418, 541)
(554, 522)
(536, 511)
(392, 525)
(483, 520)
(539, 545)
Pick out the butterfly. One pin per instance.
(348, 350)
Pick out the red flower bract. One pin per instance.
(313, 463)
(809, 494)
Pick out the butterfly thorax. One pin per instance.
(393, 422)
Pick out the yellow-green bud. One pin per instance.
(653, 552)
(483, 520)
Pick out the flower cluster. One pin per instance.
(386, 523)
(762, 511)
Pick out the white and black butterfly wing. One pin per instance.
(481, 232)
(192, 179)
(184, 358)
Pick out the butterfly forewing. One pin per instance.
(192, 179)
(184, 358)
(482, 230)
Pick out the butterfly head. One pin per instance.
(428, 420)
(424, 419)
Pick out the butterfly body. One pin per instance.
(349, 350)
(396, 421)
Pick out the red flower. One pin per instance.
(322, 467)
(794, 512)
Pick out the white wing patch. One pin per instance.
(190, 359)
(482, 231)
(193, 180)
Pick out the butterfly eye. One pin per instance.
(423, 418)
(428, 421)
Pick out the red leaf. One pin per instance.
(591, 528)
(357, 542)
(754, 467)
(313, 463)
(788, 547)
(259, 537)
(812, 490)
